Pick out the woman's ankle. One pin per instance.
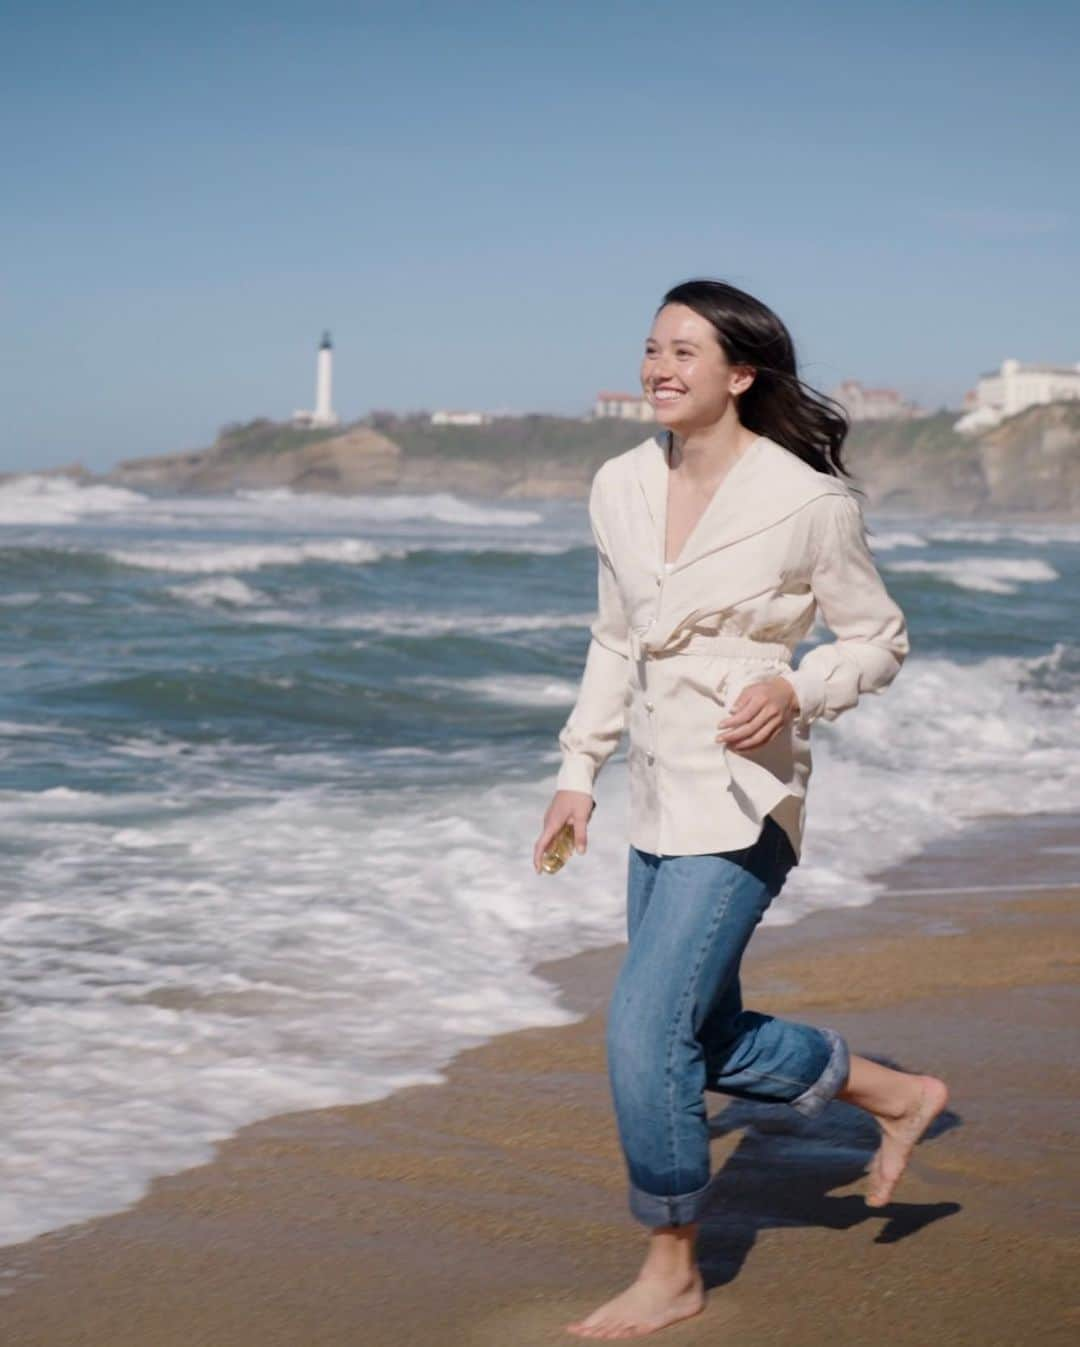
(672, 1256)
(878, 1089)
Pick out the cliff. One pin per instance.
(527, 456)
(1028, 465)
(264, 454)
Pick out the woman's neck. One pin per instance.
(706, 454)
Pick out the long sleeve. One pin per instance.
(871, 632)
(595, 726)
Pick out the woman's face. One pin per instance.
(685, 374)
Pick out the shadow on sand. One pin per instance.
(783, 1171)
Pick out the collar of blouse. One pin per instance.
(765, 485)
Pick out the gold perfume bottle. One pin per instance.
(561, 846)
(560, 849)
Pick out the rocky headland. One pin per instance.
(1029, 465)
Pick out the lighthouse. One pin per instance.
(324, 374)
(324, 414)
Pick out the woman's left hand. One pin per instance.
(760, 712)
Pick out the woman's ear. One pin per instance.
(741, 379)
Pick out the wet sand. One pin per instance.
(492, 1209)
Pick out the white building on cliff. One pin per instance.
(624, 406)
(464, 418)
(1004, 392)
(874, 404)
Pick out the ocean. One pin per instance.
(272, 767)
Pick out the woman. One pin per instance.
(719, 539)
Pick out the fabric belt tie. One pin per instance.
(706, 643)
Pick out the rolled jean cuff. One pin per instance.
(813, 1100)
(655, 1210)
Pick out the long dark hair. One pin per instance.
(777, 404)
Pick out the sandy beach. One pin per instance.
(491, 1209)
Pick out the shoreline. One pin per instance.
(500, 1191)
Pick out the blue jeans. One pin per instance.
(676, 1024)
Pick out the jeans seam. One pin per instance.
(691, 982)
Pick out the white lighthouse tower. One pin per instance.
(324, 375)
(324, 414)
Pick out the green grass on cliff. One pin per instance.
(923, 435)
(262, 436)
(585, 443)
(517, 438)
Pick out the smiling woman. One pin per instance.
(719, 540)
(692, 377)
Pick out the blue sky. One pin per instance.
(485, 202)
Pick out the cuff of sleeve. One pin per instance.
(577, 772)
(809, 687)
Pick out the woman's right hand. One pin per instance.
(577, 805)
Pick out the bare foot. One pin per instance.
(899, 1136)
(649, 1304)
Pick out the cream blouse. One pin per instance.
(673, 645)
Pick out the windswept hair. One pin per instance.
(777, 404)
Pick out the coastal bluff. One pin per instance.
(263, 454)
(1029, 464)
